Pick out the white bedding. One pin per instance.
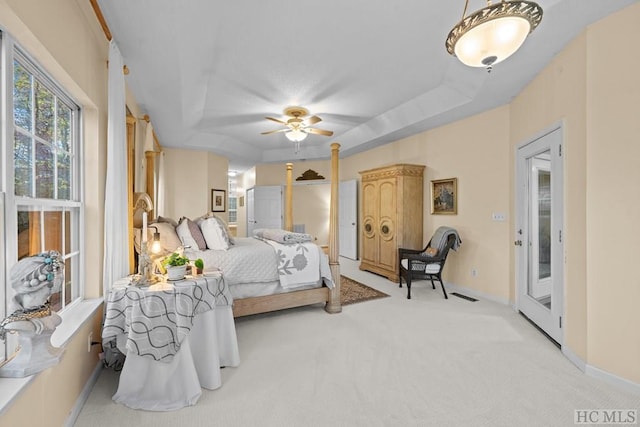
(252, 261)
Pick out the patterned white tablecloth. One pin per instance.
(156, 319)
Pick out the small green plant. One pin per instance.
(199, 263)
(175, 260)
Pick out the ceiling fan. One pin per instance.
(297, 128)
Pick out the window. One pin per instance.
(233, 202)
(43, 204)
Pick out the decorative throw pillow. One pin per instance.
(168, 220)
(225, 228)
(190, 234)
(213, 233)
(169, 240)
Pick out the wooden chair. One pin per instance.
(417, 264)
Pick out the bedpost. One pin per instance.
(334, 305)
(288, 210)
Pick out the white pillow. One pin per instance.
(185, 235)
(225, 229)
(214, 234)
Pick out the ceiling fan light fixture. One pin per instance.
(296, 135)
(492, 34)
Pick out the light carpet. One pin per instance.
(390, 362)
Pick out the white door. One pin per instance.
(539, 243)
(348, 219)
(264, 208)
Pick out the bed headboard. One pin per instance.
(142, 203)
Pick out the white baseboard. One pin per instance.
(450, 287)
(612, 379)
(82, 398)
(574, 358)
(605, 376)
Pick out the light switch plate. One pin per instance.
(499, 216)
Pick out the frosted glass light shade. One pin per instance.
(492, 42)
(296, 135)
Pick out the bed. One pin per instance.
(253, 267)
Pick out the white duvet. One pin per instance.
(248, 261)
(252, 260)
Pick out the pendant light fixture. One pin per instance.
(492, 34)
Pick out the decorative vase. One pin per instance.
(176, 272)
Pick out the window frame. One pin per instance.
(232, 196)
(10, 204)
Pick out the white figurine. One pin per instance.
(33, 279)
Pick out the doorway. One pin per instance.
(539, 241)
(348, 219)
(264, 208)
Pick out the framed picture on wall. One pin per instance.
(444, 196)
(218, 200)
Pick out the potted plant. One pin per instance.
(199, 265)
(176, 265)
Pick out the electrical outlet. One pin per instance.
(474, 272)
(89, 341)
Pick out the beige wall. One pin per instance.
(612, 198)
(189, 176)
(218, 178)
(74, 52)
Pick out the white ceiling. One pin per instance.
(208, 72)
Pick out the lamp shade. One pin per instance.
(492, 34)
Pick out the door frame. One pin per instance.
(558, 227)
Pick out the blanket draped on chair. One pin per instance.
(440, 236)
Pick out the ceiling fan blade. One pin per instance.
(276, 120)
(273, 131)
(313, 120)
(319, 131)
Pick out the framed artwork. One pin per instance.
(218, 200)
(444, 196)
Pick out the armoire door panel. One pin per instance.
(387, 247)
(369, 238)
(369, 199)
(387, 198)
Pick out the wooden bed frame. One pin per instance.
(330, 297)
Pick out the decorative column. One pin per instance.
(334, 305)
(288, 215)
